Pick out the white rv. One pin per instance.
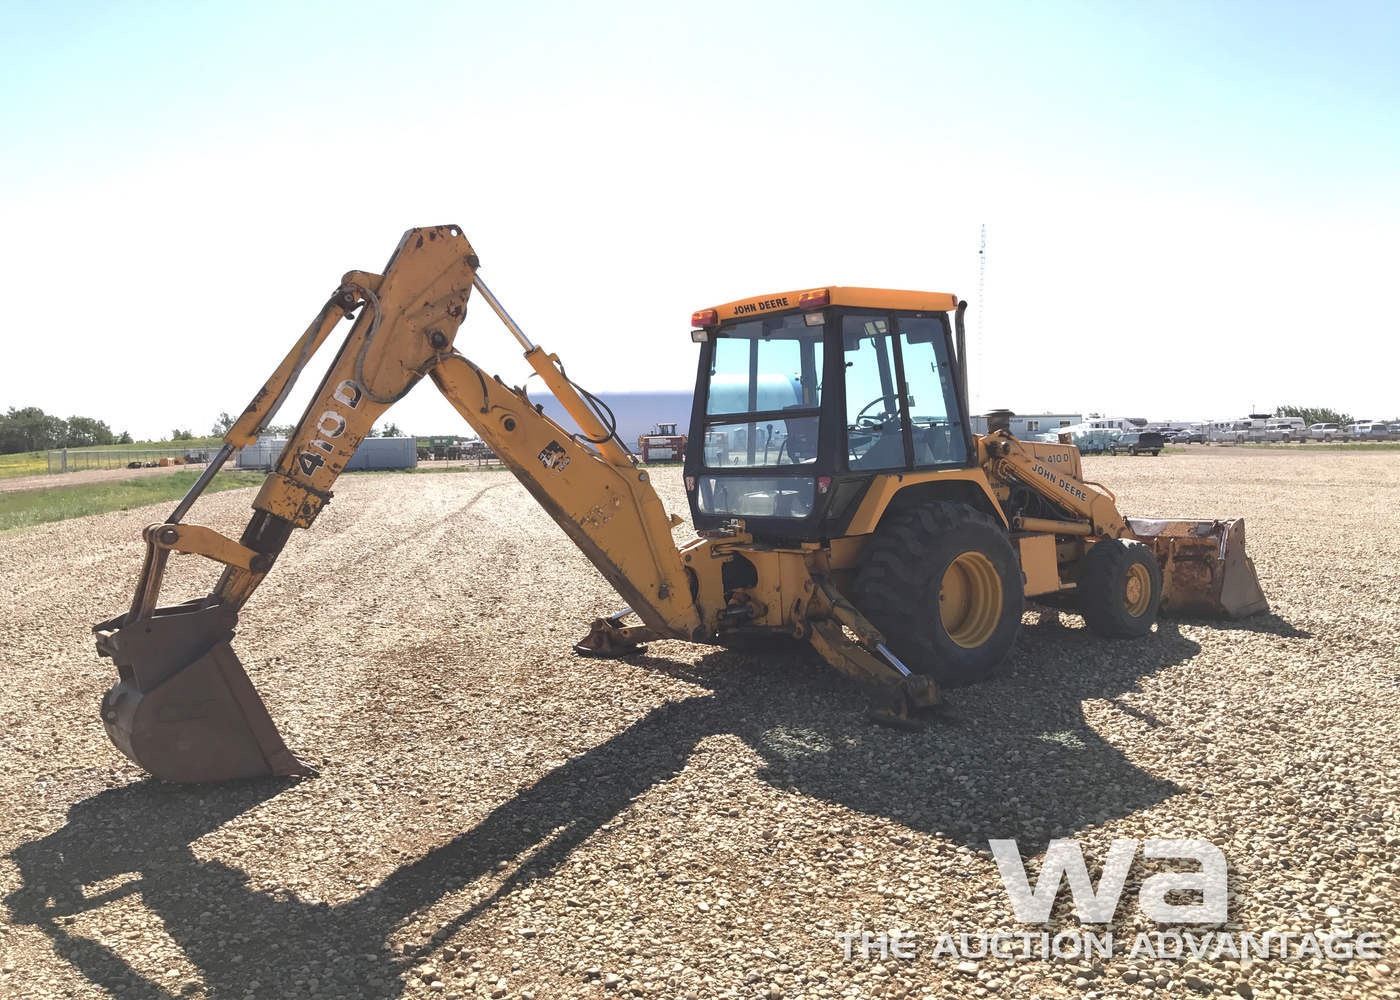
(1251, 429)
(1218, 431)
(1097, 433)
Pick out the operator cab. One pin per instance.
(803, 398)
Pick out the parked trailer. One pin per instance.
(1095, 435)
(662, 444)
(1219, 431)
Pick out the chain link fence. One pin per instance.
(79, 459)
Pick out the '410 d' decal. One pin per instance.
(329, 426)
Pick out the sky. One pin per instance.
(1192, 209)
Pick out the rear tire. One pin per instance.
(943, 583)
(1120, 588)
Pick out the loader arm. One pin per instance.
(1053, 471)
(179, 680)
(1205, 570)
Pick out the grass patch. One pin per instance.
(1324, 446)
(28, 507)
(25, 463)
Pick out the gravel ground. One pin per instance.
(498, 818)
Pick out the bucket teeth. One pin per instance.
(1205, 568)
(184, 708)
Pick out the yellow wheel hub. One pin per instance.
(1137, 590)
(970, 600)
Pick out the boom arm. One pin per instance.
(411, 315)
(183, 707)
(609, 510)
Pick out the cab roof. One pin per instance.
(838, 295)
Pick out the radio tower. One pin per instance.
(980, 351)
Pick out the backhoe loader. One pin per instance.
(838, 494)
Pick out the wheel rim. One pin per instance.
(1137, 590)
(969, 599)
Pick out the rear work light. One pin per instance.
(819, 299)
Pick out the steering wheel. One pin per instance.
(873, 421)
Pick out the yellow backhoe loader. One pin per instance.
(838, 492)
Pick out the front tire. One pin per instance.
(943, 583)
(1120, 588)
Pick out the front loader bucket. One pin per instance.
(184, 710)
(1205, 570)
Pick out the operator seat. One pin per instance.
(886, 453)
(801, 436)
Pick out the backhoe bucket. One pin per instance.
(1205, 570)
(184, 710)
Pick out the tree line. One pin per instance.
(31, 429)
(1315, 415)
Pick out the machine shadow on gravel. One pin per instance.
(1267, 623)
(1013, 758)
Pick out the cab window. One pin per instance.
(765, 365)
(874, 417)
(931, 392)
(763, 394)
(901, 393)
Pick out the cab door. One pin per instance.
(936, 428)
(901, 400)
